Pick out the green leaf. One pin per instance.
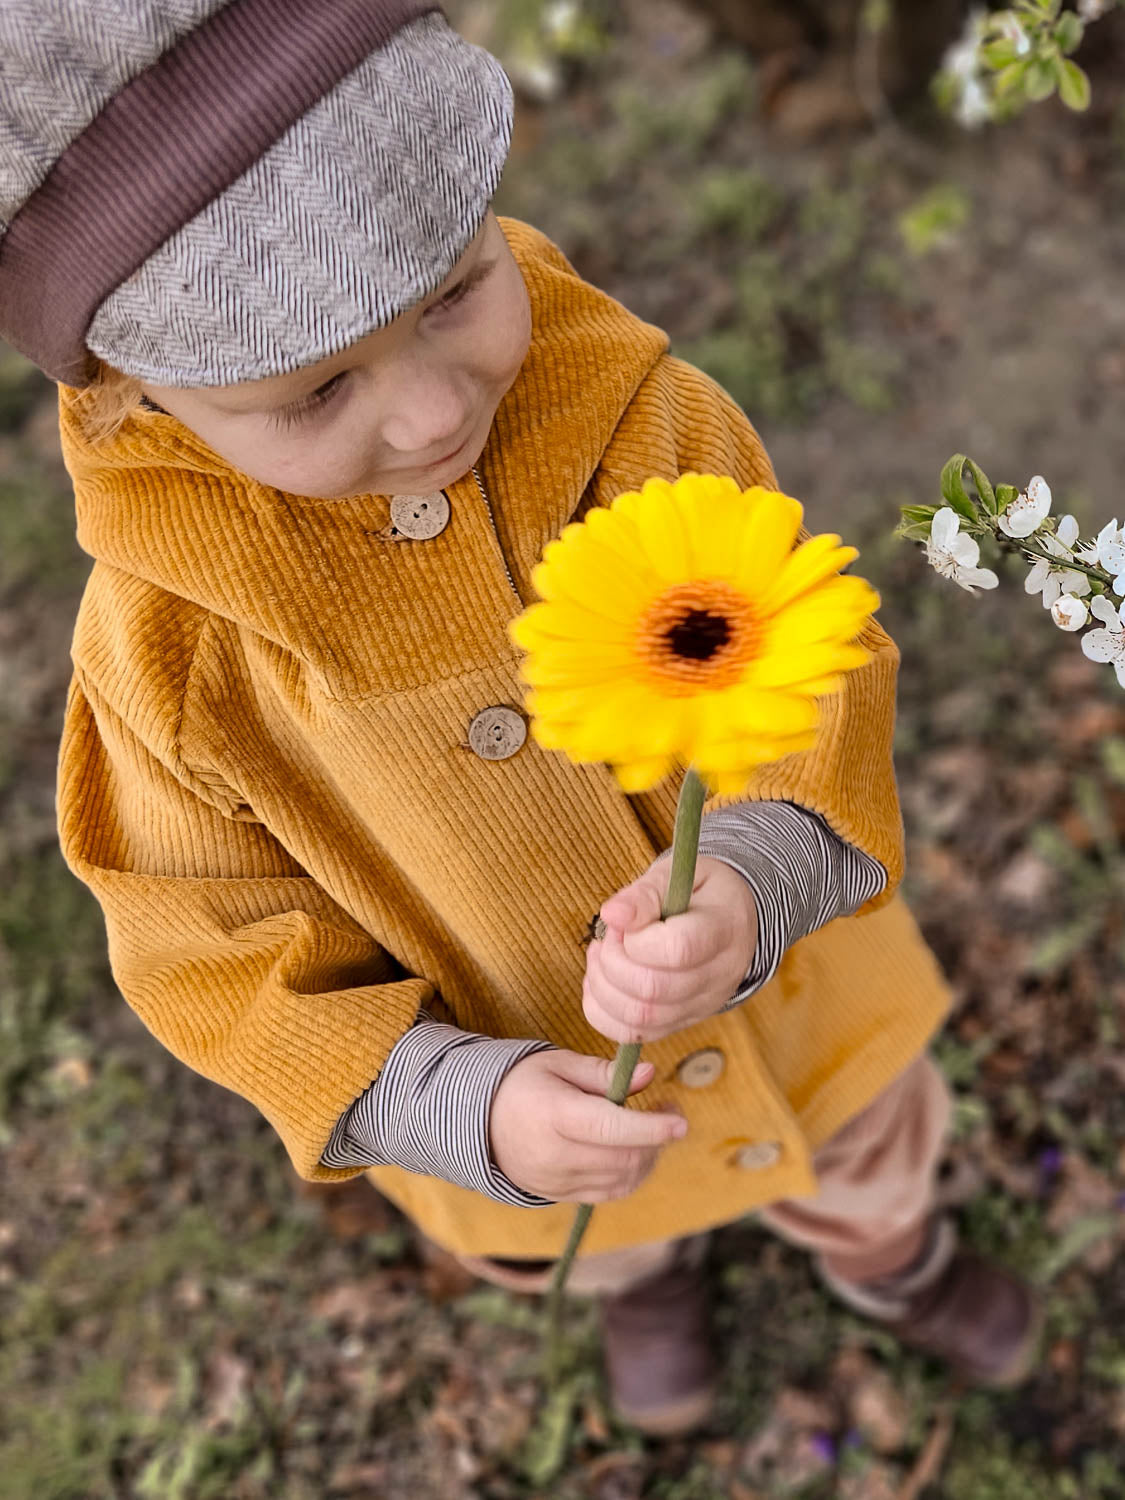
(984, 487)
(876, 16)
(1074, 86)
(1040, 78)
(1061, 945)
(953, 488)
(1113, 758)
(548, 1443)
(1005, 494)
(1069, 32)
(1010, 80)
(1082, 1235)
(916, 522)
(998, 54)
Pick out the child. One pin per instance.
(322, 411)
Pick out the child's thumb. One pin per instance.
(638, 905)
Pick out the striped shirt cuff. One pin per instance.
(802, 874)
(428, 1110)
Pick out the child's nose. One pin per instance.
(428, 418)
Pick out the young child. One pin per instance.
(322, 411)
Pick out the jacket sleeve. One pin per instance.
(235, 959)
(681, 421)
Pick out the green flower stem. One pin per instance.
(685, 852)
(1021, 546)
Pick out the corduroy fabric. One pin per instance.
(265, 780)
(333, 157)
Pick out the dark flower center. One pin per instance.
(699, 635)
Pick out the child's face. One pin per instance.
(405, 411)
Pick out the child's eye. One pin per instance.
(297, 411)
(464, 289)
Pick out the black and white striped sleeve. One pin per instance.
(428, 1110)
(802, 874)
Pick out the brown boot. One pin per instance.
(982, 1320)
(658, 1350)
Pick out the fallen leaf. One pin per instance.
(874, 1405)
(228, 1377)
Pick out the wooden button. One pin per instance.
(699, 1070)
(759, 1155)
(420, 517)
(497, 733)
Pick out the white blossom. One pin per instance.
(973, 107)
(1092, 10)
(1107, 644)
(1055, 578)
(1028, 510)
(955, 555)
(962, 64)
(561, 18)
(1011, 30)
(1069, 612)
(962, 59)
(1107, 551)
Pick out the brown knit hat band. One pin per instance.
(124, 221)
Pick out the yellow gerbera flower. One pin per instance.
(684, 625)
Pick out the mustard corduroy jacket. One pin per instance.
(266, 781)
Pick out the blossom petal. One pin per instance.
(1099, 645)
(1067, 533)
(1038, 576)
(965, 550)
(943, 527)
(976, 578)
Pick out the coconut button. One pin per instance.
(758, 1155)
(420, 517)
(699, 1070)
(497, 733)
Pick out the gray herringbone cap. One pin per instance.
(203, 193)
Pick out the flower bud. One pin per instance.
(1069, 612)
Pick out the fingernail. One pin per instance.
(679, 1130)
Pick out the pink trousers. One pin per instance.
(869, 1219)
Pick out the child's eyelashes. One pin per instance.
(297, 411)
(464, 288)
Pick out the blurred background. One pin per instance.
(772, 182)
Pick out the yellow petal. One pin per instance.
(753, 711)
(835, 610)
(659, 514)
(716, 511)
(641, 775)
(561, 620)
(588, 574)
(802, 664)
(767, 541)
(818, 558)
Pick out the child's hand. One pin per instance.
(647, 978)
(554, 1133)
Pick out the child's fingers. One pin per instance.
(685, 942)
(610, 963)
(636, 1023)
(595, 1122)
(638, 904)
(593, 1075)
